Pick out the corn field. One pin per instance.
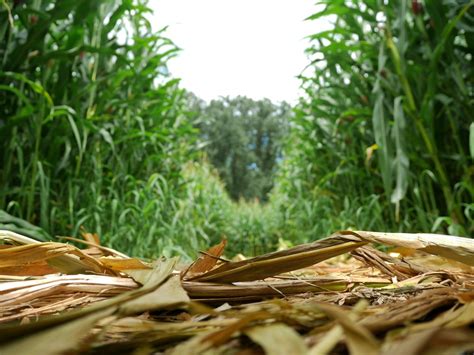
(97, 135)
(387, 119)
(121, 233)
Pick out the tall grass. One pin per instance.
(93, 130)
(381, 138)
(95, 133)
(207, 215)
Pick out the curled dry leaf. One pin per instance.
(206, 261)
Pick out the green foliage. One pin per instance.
(381, 139)
(96, 135)
(206, 215)
(243, 141)
(22, 227)
(93, 131)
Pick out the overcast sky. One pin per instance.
(237, 47)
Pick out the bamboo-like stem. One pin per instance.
(429, 144)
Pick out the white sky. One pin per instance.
(237, 47)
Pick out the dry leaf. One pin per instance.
(207, 260)
(282, 261)
(277, 339)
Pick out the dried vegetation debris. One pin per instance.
(336, 295)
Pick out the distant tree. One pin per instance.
(243, 141)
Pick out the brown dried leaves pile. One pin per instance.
(336, 295)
